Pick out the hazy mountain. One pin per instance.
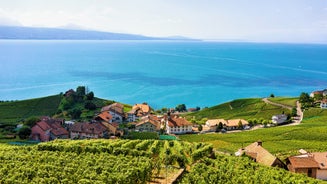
(38, 33)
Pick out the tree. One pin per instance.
(90, 106)
(294, 111)
(219, 127)
(200, 128)
(180, 108)
(24, 132)
(272, 95)
(90, 96)
(31, 121)
(75, 113)
(240, 125)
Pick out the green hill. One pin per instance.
(241, 108)
(14, 112)
(310, 135)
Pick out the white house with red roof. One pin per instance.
(177, 125)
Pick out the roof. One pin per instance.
(214, 122)
(175, 121)
(261, 155)
(53, 126)
(280, 116)
(115, 107)
(303, 162)
(140, 109)
(234, 122)
(321, 159)
(149, 120)
(89, 128)
(105, 115)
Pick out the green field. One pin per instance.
(289, 101)
(241, 108)
(132, 161)
(14, 112)
(311, 135)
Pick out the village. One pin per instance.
(141, 118)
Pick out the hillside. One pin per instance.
(14, 112)
(240, 108)
(132, 161)
(310, 135)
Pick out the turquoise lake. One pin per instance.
(162, 73)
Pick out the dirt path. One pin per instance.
(297, 119)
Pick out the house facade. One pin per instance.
(279, 118)
(177, 125)
(88, 130)
(138, 111)
(311, 164)
(117, 112)
(48, 129)
(211, 124)
(323, 104)
(260, 155)
(235, 124)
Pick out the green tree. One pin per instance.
(200, 128)
(294, 111)
(272, 95)
(180, 108)
(90, 96)
(219, 127)
(240, 125)
(24, 132)
(75, 113)
(305, 99)
(90, 106)
(31, 121)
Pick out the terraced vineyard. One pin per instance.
(130, 161)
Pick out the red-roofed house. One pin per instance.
(116, 110)
(137, 111)
(177, 125)
(48, 129)
(312, 164)
(88, 130)
(148, 124)
(260, 155)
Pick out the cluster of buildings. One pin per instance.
(322, 94)
(311, 164)
(233, 124)
(106, 124)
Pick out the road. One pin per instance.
(298, 119)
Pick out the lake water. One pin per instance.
(162, 73)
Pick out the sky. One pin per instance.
(234, 20)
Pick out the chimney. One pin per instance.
(259, 143)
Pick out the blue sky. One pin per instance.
(246, 20)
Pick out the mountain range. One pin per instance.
(38, 33)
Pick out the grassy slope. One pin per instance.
(13, 112)
(289, 101)
(286, 140)
(241, 108)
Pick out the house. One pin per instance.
(104, 116)
(323, 104)
(116, 110)
(234, 124)
(279, 118)
(260, 155)
(315, 93)
(148, 124)
(49, 129)
(212, 124)
(311, 164)
(88, 130)
(137, 111)
(177, 125)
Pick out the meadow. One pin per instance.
(310, 135)
(241, 108)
